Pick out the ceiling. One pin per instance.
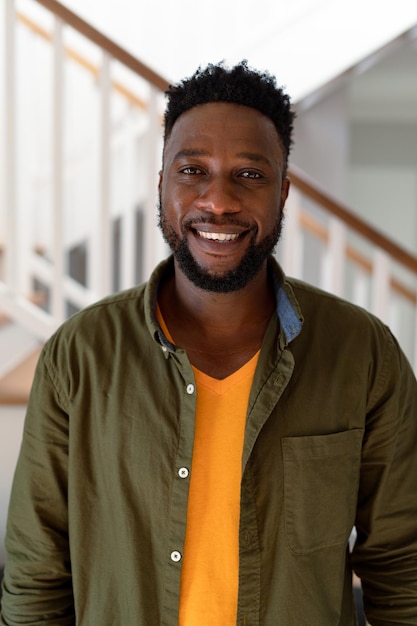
(305, 43)
(387, 91)
(381, 87)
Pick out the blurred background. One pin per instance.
(81, 103)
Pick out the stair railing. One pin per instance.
(327, 244)
(323, 242)
(30, 265)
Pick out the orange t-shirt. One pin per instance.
(210, 564)
(210, 570)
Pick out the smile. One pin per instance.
(218, 236)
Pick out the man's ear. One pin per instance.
(285, 190)
(160, 181)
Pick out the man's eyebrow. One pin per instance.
(189, 152)
(256, 157)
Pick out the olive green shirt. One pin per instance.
(97, 516)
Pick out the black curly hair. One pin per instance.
(239, 85)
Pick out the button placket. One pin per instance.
(182, 472)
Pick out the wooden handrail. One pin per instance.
(115, 51)
(313, 191)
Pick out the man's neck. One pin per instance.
(219, 331)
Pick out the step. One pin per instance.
(16, 344)
(15, 385)
(19, 352)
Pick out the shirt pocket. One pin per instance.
(321, 478)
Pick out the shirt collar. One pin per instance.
(287, 308)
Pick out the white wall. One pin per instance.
(321, 143)
(382, 177)
(387, 196)
(369, 165)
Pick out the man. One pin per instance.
(198, 449)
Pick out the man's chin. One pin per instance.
(216, 281)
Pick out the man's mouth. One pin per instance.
(218, 236)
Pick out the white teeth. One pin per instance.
(218, 236)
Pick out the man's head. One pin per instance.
(239, 85)
(223, 184)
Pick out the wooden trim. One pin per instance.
(396, 285)
(79, 58)
(113, 49)
(34, 27)
(359, 259)
(129, 95)
(313, 226)
(404, 291)
(4, 319)
(312, 191)
(83, 62)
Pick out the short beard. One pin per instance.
(221, 282)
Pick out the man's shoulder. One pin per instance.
(120, 320)
(99, 324)
(112, 306)
(335, 329)
(336, 317)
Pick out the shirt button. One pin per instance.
(164, 349)
(190, 389)
(183, 472)
(176, 556)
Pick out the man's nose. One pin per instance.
(219, 196)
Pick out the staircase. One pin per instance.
(70, 231)
(82, 137)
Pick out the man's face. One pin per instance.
(222, 191)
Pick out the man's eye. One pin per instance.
(250, 174)
(190, 170)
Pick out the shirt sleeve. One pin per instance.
(37, 586)
(385, 553)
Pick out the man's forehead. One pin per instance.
(211, 117)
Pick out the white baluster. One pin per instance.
(58, 248)
(10, 252)
(154, 248)
(381, 285)
(334, 258)
(128, 224)
(360, 295)
(101, 257)
(290, 245)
